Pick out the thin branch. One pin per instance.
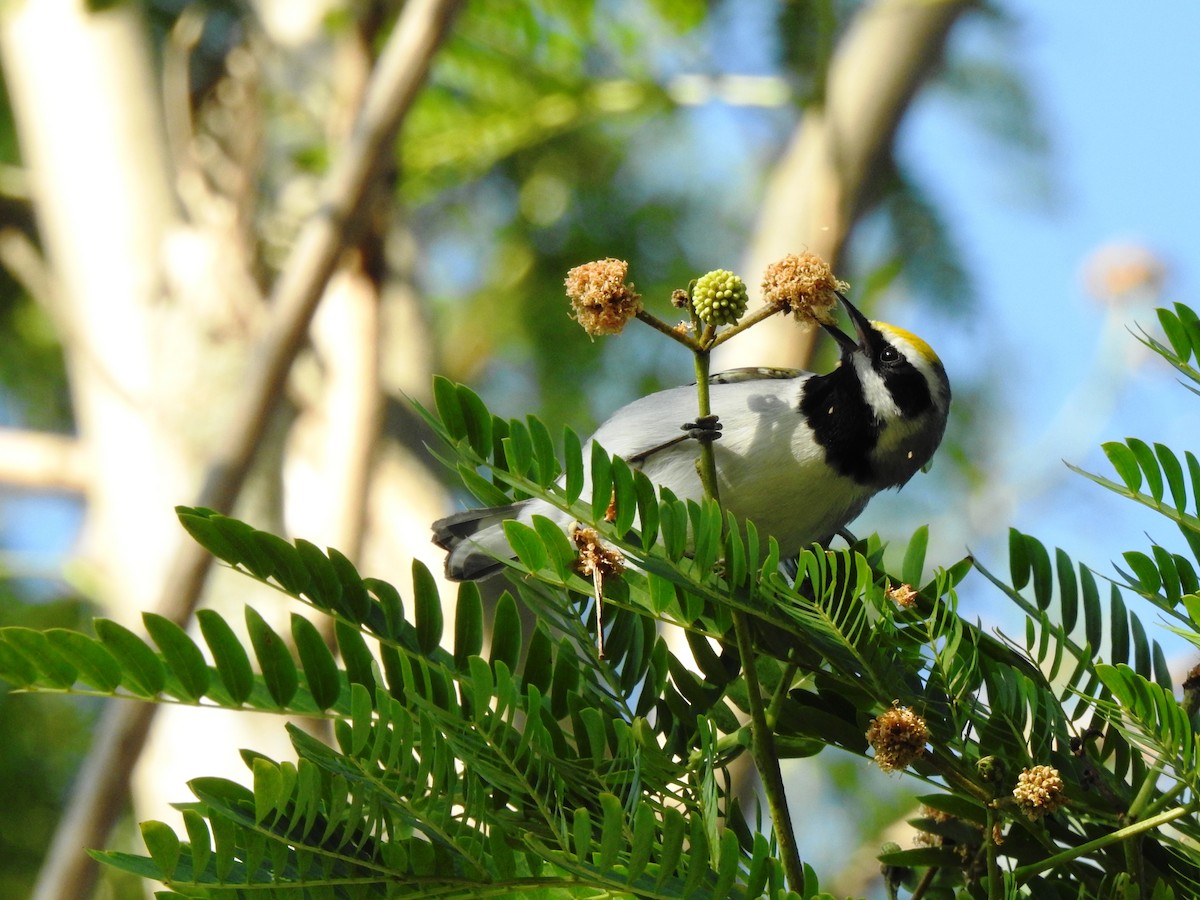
(766, 758)
(24, 262)
(1024, 873)
(42, 461)
(102, 785)
(659, 325)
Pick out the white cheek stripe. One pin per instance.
(875, 392)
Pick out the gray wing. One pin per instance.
(655, 423)
(755, 373)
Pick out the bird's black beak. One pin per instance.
(862, 327)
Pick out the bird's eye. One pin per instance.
(889, 354)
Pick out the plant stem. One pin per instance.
(1023, 873)
(926, 881)
(995, 883)
(763, 312)
(1145, 792)
(762, 739)
(762, 750)
(955, 778)
(669, 330)
(708, 459)
(785, 684)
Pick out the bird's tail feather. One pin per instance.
(475, 541)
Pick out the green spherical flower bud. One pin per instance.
(719, 298)
(992, 769)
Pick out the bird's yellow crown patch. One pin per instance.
(917, 343)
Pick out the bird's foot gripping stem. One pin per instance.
(706, 429)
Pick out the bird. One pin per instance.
(799, 454)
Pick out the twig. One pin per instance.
(995, 881)
(42, 461)
(598, 593)
(766, 760)
(659, 325)
(102, 785)
(708, 459)
(763, 312)
(1024, 873)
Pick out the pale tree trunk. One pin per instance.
(819, 187)
(177, 368)
(155, 332)
(90, 131)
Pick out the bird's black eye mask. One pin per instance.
(908, 387)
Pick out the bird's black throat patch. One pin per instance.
(842, 422)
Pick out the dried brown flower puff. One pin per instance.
(595, 561)
(898, 737)
(601, 301)
(803, 285)
(1039, 791)
(902, 595)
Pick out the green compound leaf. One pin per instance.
(164, 847)
(229, 656)
(573, 465)
(468, 624)
(183, 657)
(602, 496)
(141, 669)
(526, 545)
(913, 566)
(1177, 334)
(449, 409)
(428, 608)
(320, 669)
(36, 649)
(1148, 464)
(274, 660)
(506, 632)
(477, 420)
(1125, 463)
(94, 664)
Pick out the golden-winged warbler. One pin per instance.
(799, 454)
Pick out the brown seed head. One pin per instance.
(594, 558)
(1039, 791)
(898, 737)
(803, 285)
(902, 595)
(601, 301)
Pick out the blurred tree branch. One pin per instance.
(103, 783)
(42, 461)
